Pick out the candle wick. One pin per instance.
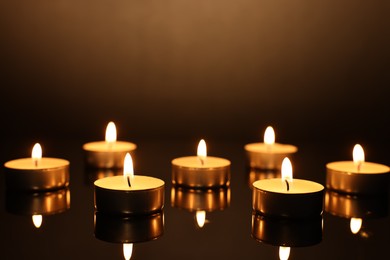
(359, 166)
(201, 161)
(288, 185)
(36, 162)
(128, 180)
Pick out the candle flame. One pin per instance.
(37, 220)
(128, 169)
(284, 252)
(287, 172)
(200, 218)
(358, 154)
(202, 151)
(127, 250)
(355, 225)
(269, 136)
(36, 152)
(111, 133)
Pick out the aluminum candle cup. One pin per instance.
(200, 199)
(352, 206)
(304, 198)
(132, 229)
(40, 203)
(287, 232)
(114, 196)
(190, 172)
(268, 156)
(107, 155)
(344, 176)
(48, 174)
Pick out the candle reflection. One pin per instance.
(127, 250)
(287, 232)
(128, 230)
(284, 252)
(37, 220)
(92, 174)
(356, 209)
(200, 201)
(255, 175)
(39, 204)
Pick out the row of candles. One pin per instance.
(134, 195)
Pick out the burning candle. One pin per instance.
(201, 171)
(108, 153)
(129, 194)
(357, 176)
(288, 197)
(37, 173)
(268, 155)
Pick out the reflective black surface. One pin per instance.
(227, 233)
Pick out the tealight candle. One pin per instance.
(37, 173)
(201, 171)
(357, 176)
(108, 153)
(129, 194)
(288, 197)
(268, 155)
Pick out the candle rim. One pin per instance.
(129, 189)
(385, 168)
(130, 146)
(226, 162)
(40, 167)
(251, 147)
(319, 186)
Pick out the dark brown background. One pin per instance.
(313, 69)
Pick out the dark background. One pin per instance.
(191, 69)
(181, 70)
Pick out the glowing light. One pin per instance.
(128, 169)
(269, 135)
(287, 172)
(355, 225)
(111, 133)
(202, 150)
(200, 218)
(37, 220)
(358, 154)
(284, 252)
(36, 153)
(127, 250)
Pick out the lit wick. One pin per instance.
(287, 172)
(358, 156)
(269, 138)
(36, 154)
(201, 161)
(128, 170)
(202, 151)
(128, 180)
(110, 135)
(359, 166)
